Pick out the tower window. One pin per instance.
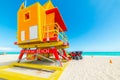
(27, 16)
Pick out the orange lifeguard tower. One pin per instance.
(40, 32)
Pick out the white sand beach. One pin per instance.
(93, 68)
(90, 68)
(7, 59)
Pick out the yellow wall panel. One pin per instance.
(30, 17)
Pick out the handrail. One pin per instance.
(60, 34)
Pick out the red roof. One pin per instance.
(58, 18)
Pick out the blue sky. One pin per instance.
(93, 25)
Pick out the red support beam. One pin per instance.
(22, 52)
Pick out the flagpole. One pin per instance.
(25, 3)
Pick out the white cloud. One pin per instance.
(8, 49)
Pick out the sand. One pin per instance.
(7, 59)
(90, 68)
(93, 68)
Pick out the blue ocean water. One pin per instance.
(84, 53)
(101, 53)
(9, 52)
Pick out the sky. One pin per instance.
(93, 25)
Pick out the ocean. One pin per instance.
(84, 53)
(101, 53)
(9, 52)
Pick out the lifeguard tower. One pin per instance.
(40, 33)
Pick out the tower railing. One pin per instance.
(56, 29)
